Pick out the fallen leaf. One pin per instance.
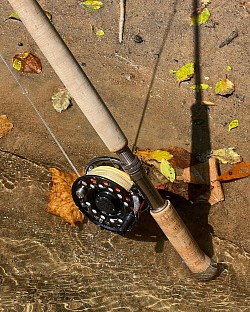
(207, 103)
(167, 170)
(224, 87)
(181, 157)
(60, 199)
(239, 171)
(100, 33)
(16, 17)
(178, 157)
(5, 125)
(200, 17)
(157, 155)
(202, 86)
(227, 155)
(92, 5)
(185, 72)
(61, 100)
(228, 68)
(233, 124)
(27, 62)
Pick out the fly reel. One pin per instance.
(107, 195)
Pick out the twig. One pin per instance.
(121, 20)
(229, 39)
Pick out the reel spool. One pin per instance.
(107, 196)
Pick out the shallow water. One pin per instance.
(46, 265)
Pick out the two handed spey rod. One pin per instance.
(117, 196)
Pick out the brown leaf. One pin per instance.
(239, 171)
(27, 62)
(60, 199)
(181, 157)
(5, 125)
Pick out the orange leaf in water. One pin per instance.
(27, 62)
(239, 171)
(60, 199)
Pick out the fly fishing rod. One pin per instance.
(114, 191)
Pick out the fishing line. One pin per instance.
(153, 76)
(40, 116)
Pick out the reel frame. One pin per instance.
(111, 200)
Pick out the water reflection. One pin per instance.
(48, 266)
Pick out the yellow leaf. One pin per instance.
(14, 16)
(233, 124)
(185, 72)
(157, 155)
(224, 87)
(17, 64)
(202, 86)
(167, 170)
(92, 5)
(160, 154)
(100, 33)
(200, 16)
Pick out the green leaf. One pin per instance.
(200, 17)
(224, 87)
(202, 86)
(185, 72)
(14, 16)
(160, 154)
(100, 33)
(17, 64)
(92, 5)
(167, 170)
(233, 124)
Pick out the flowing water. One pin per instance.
(45, 265)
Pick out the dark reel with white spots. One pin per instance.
(108, 197)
